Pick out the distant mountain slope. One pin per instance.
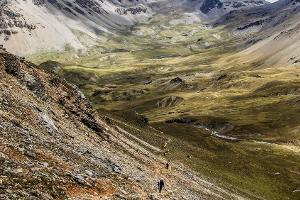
(281, 47)
(35, 25)
(31, 26)
(271, 31)
(216, 8)
(269, 15)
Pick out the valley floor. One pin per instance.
(183, 88)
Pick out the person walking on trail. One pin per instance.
(161, 185)
(168, 165)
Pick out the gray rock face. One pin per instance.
(11, 21)
(208, 5)
(48, 122)
(215, 9)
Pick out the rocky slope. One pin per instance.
(265, 16)
(271, 31)
(214, 9)
(37, 25)
(53, 145)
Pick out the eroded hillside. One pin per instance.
(54, 145)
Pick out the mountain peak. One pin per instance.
(216, 8)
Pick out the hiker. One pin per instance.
(161, 185)
(168, 165)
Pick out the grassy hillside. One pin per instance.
(182, 87)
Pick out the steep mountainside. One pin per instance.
(272, 32)
(268, 15)
(37, 25)
(217, 8)
(53, 145)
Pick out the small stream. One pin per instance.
(217, 133)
